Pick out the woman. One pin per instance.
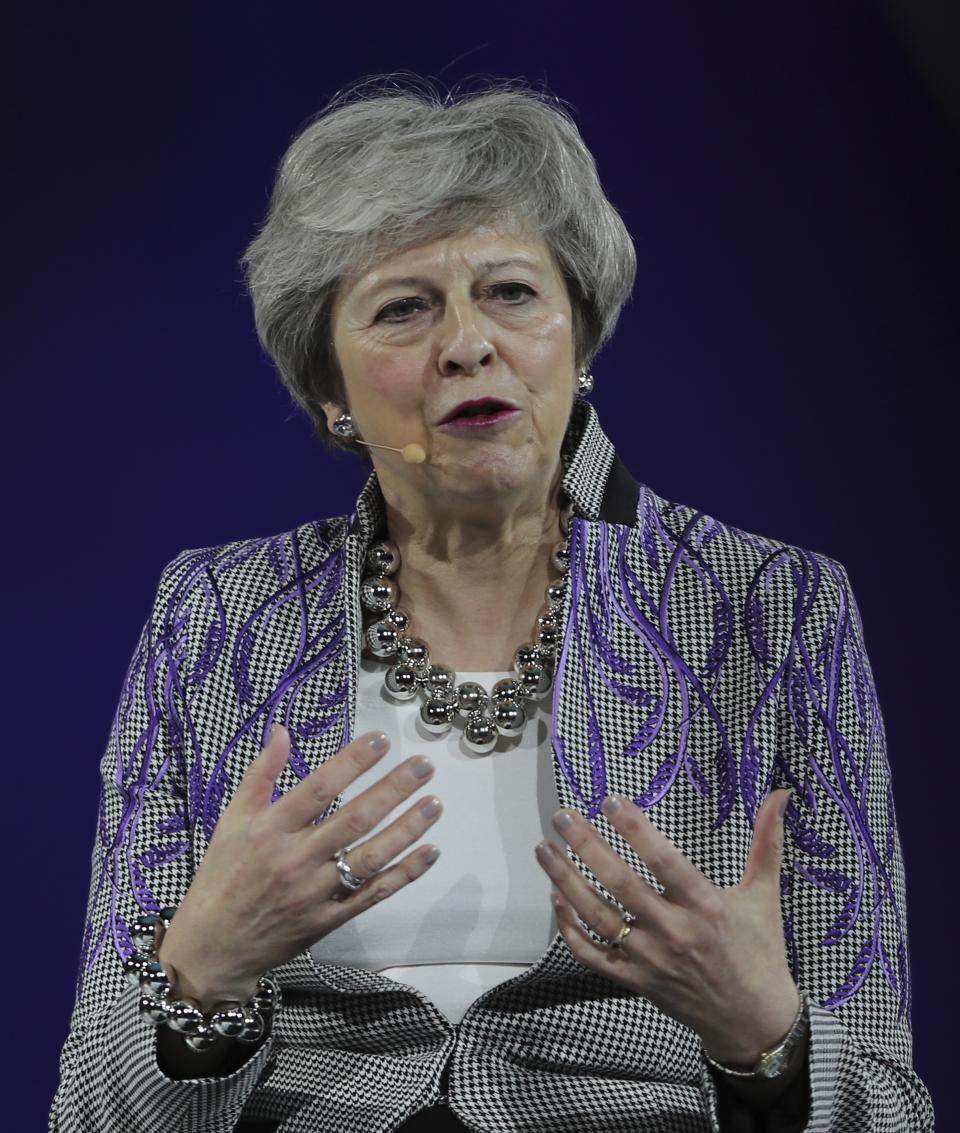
(602, 691)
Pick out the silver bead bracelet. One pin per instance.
(245, 1022)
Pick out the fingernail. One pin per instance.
(431, 807)
(421, 767)
(563, 821)
(784, 801)
(378, 743)
(432, 854)
(611, 804)
(545, 852)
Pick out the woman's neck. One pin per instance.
(473, 589)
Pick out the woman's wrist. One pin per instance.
(213, 1011)
(760, 1093)
(207, 990)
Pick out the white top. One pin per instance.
(482, 912)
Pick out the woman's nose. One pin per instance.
(464, 339)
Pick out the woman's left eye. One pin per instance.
(512, 286)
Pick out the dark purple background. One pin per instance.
(791, 181)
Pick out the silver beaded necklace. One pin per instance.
(488, 714)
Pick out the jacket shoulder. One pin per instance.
(252, 568)
(719, 541)
(711, 569)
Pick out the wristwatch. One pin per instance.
(772, 1063)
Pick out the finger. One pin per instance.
(600, 957)
(255, 789)
(683, 884)
(568, 920)
(621, 880)
(383, 885)
(566, 913)
(764, 864)
(308, 800)
(359, 816)
(376, 853)
(592, 908)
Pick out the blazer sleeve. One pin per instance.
(842, 885)
(142, 861)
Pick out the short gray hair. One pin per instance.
(391, 163)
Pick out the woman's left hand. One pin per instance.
(713, 959)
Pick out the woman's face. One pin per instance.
(480, 314)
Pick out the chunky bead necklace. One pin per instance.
(488, 714)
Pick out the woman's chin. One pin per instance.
(484, 475)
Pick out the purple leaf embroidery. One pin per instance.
(841, 926)
(722, 637)
(754, 626)
(155, 856)
(212, 645)
(644, 737)
(854, 980)
(310, 729)
(242, 674)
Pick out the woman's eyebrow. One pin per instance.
(484, 268)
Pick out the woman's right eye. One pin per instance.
(394, 312)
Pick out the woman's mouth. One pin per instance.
(482, 419)
(481, 413)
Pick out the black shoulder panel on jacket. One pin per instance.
(620, 495)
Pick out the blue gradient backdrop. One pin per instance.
(791, 180)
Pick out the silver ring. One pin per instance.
(348, 879)
(628, 919)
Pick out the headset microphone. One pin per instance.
(411, 453)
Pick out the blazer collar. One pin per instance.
(595, 479)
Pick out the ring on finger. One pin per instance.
(625, 923)
(348, 879)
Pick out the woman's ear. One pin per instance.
(331, 410)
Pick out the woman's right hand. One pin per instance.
(268, 885)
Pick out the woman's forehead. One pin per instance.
(480, 250)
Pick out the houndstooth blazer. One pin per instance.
(702, 667)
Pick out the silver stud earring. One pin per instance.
(343, 427)
(584, 383)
